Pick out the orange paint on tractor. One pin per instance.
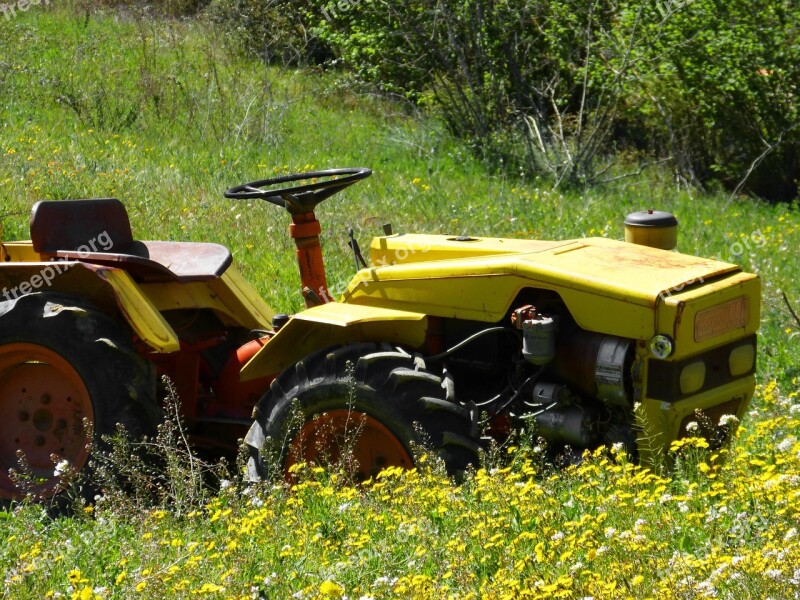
(231, 392)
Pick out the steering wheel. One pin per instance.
(299, 199)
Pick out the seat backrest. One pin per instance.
(96, 225)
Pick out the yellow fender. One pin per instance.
(113, 290)
(331, 324)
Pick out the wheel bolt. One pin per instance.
(43, 420)
(24, 416)
(46, 398)
(40, 440)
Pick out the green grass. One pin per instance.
(161, 115)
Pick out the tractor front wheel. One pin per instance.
(361, 408)
(68, 375)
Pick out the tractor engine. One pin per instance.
(580, 389)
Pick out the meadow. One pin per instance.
(165, 115)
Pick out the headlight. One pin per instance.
(693, 377)
(661, 346)
(741, 360)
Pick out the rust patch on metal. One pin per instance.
(678, 319)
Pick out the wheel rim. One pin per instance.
(347, 439)
(43, 405)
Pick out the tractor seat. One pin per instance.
(98, 231)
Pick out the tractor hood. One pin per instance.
(598, 278)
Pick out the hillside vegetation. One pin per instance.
(165, 115)
(574, 89)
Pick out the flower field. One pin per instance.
(604, 529)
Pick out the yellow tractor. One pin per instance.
(441, 341)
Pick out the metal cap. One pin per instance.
(651, 218)
(279, 321)
(654, 228)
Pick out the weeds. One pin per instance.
(165, 472)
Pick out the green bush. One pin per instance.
(561, 86)
(172, 8)
(274, 30)
(721, 95)
(495, 70)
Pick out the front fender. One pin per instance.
(331, 324)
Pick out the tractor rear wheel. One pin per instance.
(64, 366)
(362, 408)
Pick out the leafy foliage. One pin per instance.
(274, 30)
(724, 83)
(558, 87)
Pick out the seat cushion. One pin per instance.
(190, 261)
(163, 261)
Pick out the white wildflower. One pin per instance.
(61, 468)
(726, 420)
(787, 444)
(719, 571)
(692, 427)
(707, 589)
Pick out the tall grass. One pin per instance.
(161, 115)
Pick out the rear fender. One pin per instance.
(111, 290)
(332, 324)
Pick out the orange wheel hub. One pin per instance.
(352, 440)
(43, 405)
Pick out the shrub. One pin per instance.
(721, 92)
(274, 30)
(559, 86)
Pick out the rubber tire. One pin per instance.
(387, 385)
(121, 385)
